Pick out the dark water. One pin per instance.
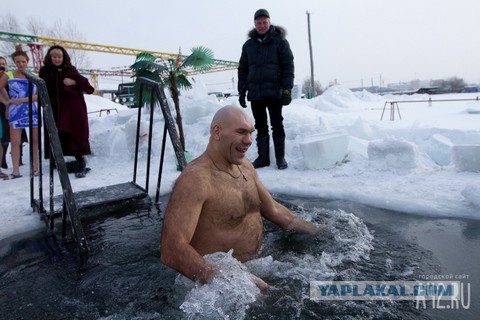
(124, 279)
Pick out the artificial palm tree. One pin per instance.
(172, 73)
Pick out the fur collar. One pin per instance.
(274, 31)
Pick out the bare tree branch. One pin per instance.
(37, 27)
(9, 23)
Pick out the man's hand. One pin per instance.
(259, 282)
(241, 99)
(298, 225)
(322, 231)
(286, 97)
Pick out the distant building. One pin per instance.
(414, 86)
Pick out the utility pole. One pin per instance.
(312, 82)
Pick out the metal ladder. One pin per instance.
(71, 202)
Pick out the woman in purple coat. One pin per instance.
(65, 87)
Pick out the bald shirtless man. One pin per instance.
(218, 203)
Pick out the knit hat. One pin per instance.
(261, 13)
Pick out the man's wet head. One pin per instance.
(232, 128)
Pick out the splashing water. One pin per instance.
(304, 259)
(227, 296)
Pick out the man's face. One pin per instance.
(262, 24)
(236, 138)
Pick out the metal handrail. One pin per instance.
(69, 203)
(103, 110)
(158, 96)
(395, 103)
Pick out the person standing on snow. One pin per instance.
(65, 87)
(265, 78)
(17, 101)
(5, 124)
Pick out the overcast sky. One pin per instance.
(353, 40)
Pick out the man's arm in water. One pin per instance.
(282, 216)
(179, 224)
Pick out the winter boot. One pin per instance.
(82, 169)
(4, 162)
(263, 159)
(72, 166)
(279, 144)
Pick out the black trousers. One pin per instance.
(259, 110)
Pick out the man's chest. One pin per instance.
(233, 201)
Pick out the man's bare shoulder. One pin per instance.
(195, 176)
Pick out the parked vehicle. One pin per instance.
(471, 88)
(125, 95)
(220, 96)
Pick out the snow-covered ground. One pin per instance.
(422, 164)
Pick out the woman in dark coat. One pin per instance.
(65, 87)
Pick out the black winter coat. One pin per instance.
(266, 66)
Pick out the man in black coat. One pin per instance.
(265, 78)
